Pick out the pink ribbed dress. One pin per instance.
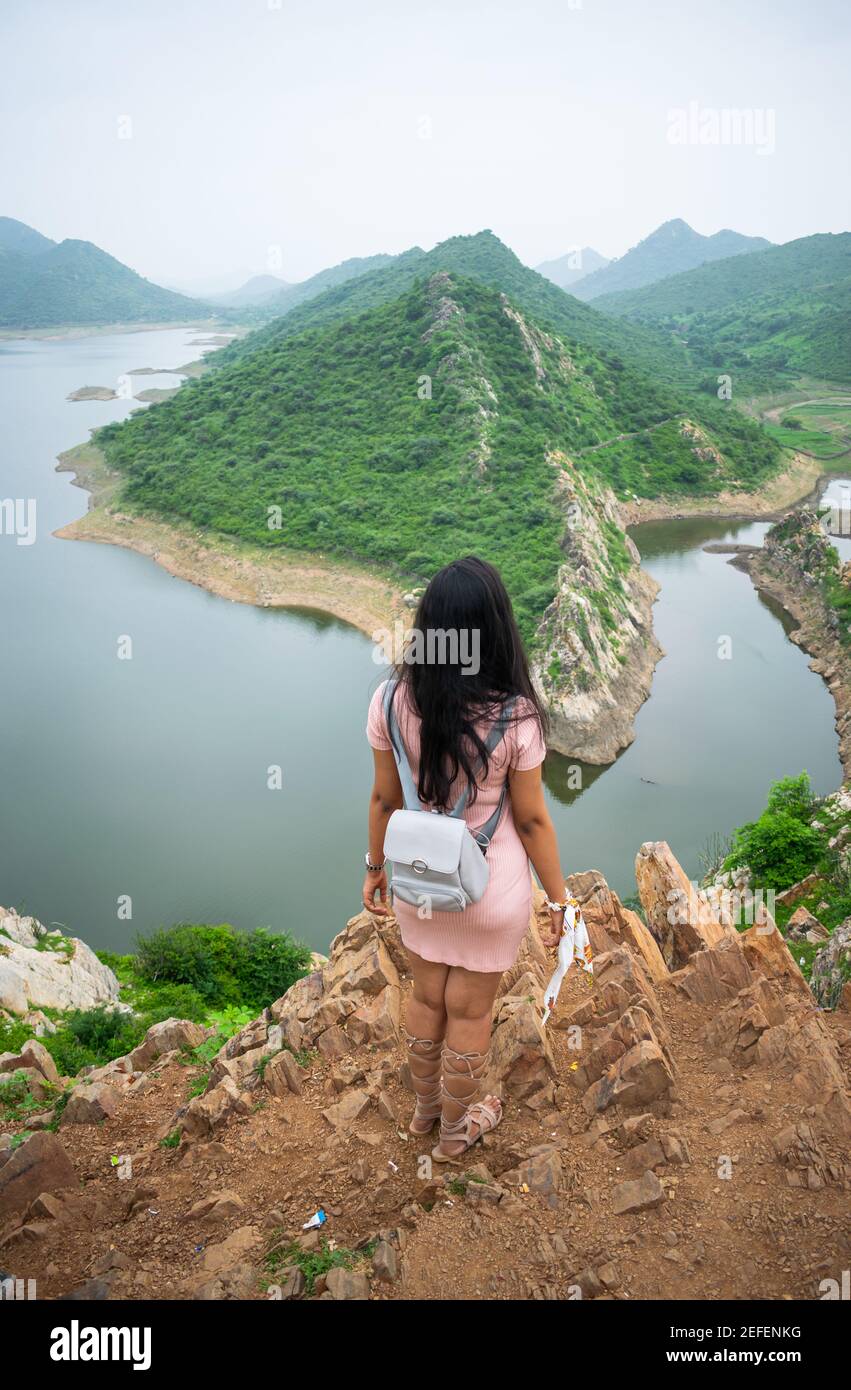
(485, 937)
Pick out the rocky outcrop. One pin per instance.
(679, 915)
(831, 973)
(612, 1110)
(47, 970)
(792, 567)
(596, 648)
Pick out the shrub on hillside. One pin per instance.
(223, 966)
(781, 847)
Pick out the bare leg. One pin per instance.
(425, 1021)
(468, 998)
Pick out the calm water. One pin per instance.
(148, 777)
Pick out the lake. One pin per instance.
(146, 780)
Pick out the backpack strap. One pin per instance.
(406, 777)
(486, 832)
(496, 734)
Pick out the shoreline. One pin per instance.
(58, 332)
(812, 634)
(794, 484)
(227, 568)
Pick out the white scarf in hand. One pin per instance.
(573, 946)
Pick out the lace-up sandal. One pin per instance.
(463, 1072)
(424, 1060)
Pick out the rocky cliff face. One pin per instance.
(41, 969)
(695, 1053)
(597, 650)
(793, 566)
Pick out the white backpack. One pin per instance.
(438, 863)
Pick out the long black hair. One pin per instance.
(467, 599)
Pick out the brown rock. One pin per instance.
(169, 1036)
(711, 976)
(348, 1110)
(541, 1172)
(38, 1165)
(35, 1054)
(679, 917)
(641, 1076)
(347, 1284)
(767, 954)
(217, 1208)
(378, 1021)
(205, 1114)
(283, 1075)
(521, 1057)
(385, 1262)
(638, 1195)
(334, 1043)
(90, 1104)
(234, 1250)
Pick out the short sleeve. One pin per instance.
(528, 747)
(376, 724)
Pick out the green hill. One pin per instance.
(644, 374)
(770, 317)
(19, 239)
(672, 248)
(329, 426)
(289, 298)
(75, 283)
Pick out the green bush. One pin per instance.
(223, 966)
(92, 1037)
(780, 849)
(794, 795)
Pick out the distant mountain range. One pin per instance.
(672, 248)
(45, 284)
(257, 290)
(573, 266)
(769, 317)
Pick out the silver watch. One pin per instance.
(372, 868)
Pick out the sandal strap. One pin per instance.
(428, 1089)
(473, 1111)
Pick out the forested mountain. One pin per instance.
(772, 316)
(673, 247)
(484, 257)
(44, 284)
(565, 270)
(647, 375)
(409, 433)
(300, 293)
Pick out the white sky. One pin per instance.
(299, 125)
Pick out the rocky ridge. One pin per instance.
(680, 1129)
(596, 647)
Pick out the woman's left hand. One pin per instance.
(372, 884)
(553, 936)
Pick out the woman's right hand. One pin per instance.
(372, 884)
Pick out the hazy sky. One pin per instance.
(188, 137)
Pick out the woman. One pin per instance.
(444, 713)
